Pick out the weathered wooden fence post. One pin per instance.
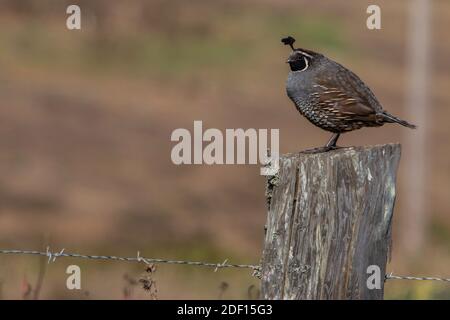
(329, 219)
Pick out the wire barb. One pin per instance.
(221, 265)
(52, 256)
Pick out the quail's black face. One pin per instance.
(299, 60)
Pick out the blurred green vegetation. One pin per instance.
(220, 45)
(439, 232)
(416, 290)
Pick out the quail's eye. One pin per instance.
(300, 64)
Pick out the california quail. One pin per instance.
(331, 96)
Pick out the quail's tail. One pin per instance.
(391, 119)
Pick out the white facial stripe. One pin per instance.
(304, 53)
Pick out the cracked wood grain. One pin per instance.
(329, 218)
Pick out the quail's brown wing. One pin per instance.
(347, 96)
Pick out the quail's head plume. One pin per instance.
(331, 96)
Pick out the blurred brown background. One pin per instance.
(86, 118)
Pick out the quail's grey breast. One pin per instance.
(303, 90)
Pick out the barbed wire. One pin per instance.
(52, 256)
(395, 277)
